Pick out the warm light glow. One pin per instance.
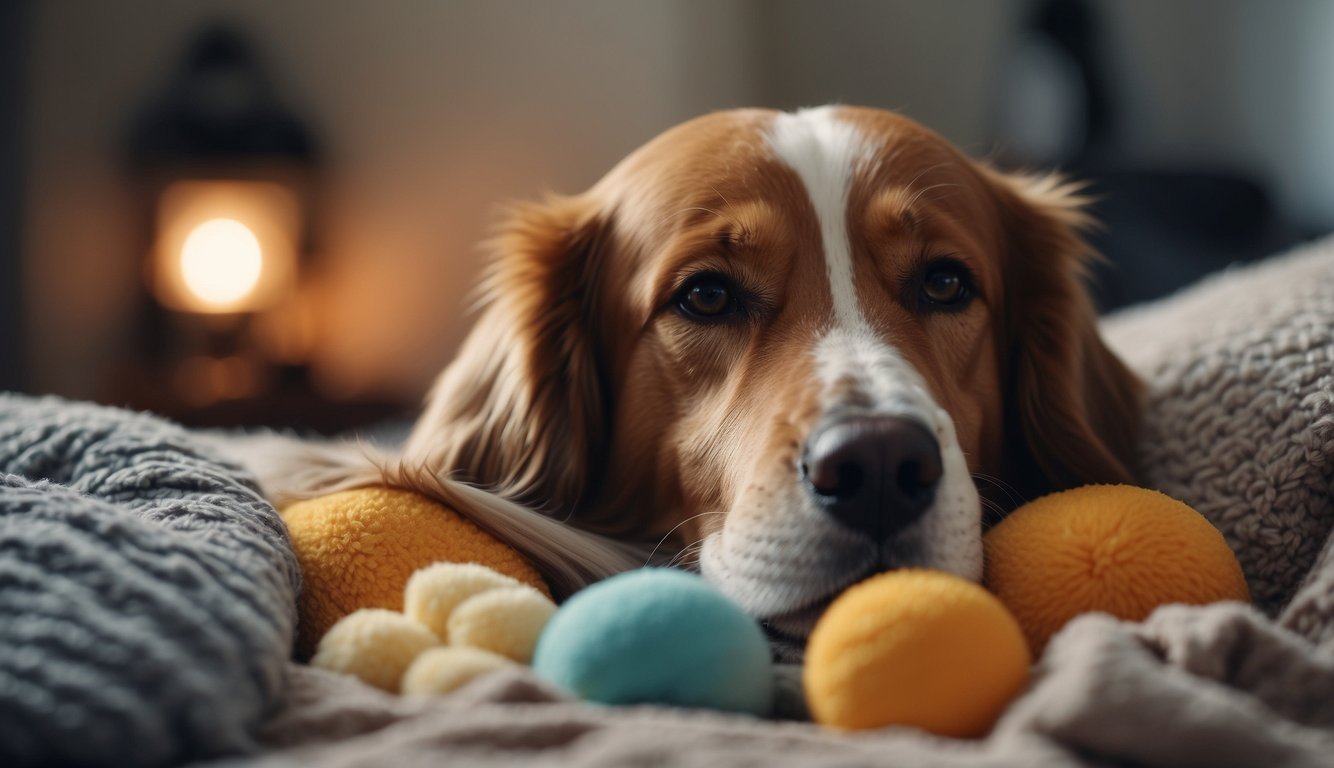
(225, 247)
(221, 261)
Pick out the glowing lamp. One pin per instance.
(227, 176)
(221, 263)
(225, 246)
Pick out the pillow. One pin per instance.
(1240, 409)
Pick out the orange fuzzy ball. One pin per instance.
(357, 549)
(918, 648)
(1112, 548)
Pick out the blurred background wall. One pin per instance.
(430, 113)
(12, 54)
(1206, 125)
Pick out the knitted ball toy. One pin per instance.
(918, 648)
(658, 636)
(1112, 548)
(358, 548)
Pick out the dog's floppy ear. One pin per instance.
(1071, 398)
(521, 410)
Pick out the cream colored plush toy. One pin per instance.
(460, 620)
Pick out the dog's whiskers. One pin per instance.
(693, 209)
(913, 181)
(723, 197)
(992, 512)
(919, 193)
(685, 555)
(683, 559)
(1011, 493)
(668, 534)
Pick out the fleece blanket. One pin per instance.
(146, 610)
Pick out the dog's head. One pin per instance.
(792, 341)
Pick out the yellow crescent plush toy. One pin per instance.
(408, 595)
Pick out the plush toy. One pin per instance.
(658, 636)
(935, 651)
(1111, 548)
(915, 647)
(357, 549)
(461, 620)
(374, 644)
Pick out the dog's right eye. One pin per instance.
(707, 298)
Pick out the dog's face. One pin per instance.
(790, 341)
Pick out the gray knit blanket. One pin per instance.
(147, 592)
(146, 597)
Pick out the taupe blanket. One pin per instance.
(1241, 426)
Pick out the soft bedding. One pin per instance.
(1240, 426)
(147, 591)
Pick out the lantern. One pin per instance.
(227, 178)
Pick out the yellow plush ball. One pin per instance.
(358, 548)
(917, 648)
(1112, 548)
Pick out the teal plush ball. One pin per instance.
(657, 636)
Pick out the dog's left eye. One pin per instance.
(946, 286)
(707, 297)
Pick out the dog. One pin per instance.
(788, 350)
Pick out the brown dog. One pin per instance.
(787, 347)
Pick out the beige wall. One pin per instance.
(1247, 84)
(936, 61)
(432, 113)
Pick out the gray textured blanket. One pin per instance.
(147, 592)
(146, 596)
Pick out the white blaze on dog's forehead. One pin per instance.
(878, 372)
(826, 153)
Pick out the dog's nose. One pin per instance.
(874, 474)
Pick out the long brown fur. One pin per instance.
(522, 412)
(1071, 403)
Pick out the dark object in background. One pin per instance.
(1161, 228)
(228, 180)
(13, 52)
(1054, 107)
(219, 107)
